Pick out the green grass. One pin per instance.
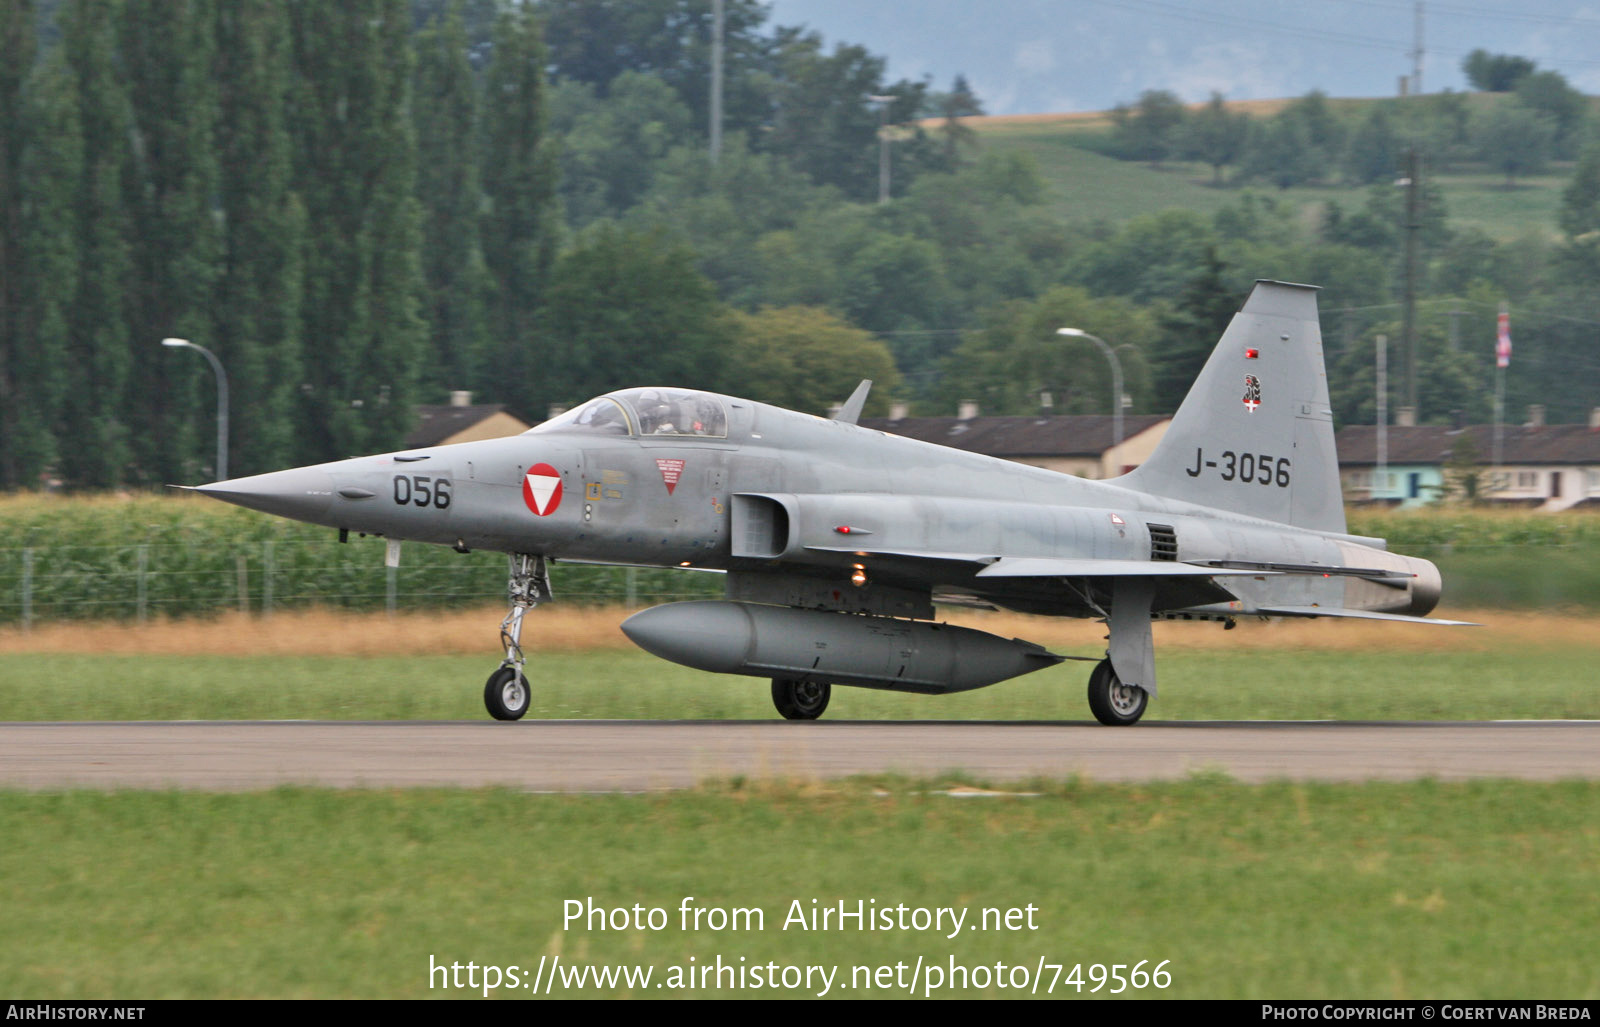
(1089, 186)
(1513, 680)
(1477, 890)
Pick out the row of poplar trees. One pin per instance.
(327, 200)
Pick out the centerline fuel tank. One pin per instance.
(838, 648)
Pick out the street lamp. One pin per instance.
(222, 401)
(1116, 378)
(883, 103)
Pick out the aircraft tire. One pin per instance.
(1111, 702)
(504, 699)
(800, 700)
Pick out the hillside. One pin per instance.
(1087, 185)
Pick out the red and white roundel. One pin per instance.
(541, 489)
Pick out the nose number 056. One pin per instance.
(422, 490)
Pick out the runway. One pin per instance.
(632, 756)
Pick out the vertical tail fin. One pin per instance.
(1255, 433)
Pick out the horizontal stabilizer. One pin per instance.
(1047, 567)
(1331, 611)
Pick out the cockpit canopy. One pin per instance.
(641, 412)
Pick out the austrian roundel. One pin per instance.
(541, 489)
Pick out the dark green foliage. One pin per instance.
(596, 41)
(1515, 139)
(1017, 356)
(445, 111)
(1280, 153)
(1376, 152)
(166, 59)
(1189, 332)
(99, 353)
(1217, 136)
(1580, 200)
(356, 175)
(1151, 129)
(32, 230)
(1495, 73)
(258, 296)
(612, 148)
(519, 223)
(1549, 93)
(628, 308)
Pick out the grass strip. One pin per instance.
(1383, 890)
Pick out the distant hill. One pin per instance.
(1086, 184)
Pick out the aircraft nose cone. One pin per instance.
(302, 493)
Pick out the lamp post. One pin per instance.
(883, 103)
(222, 401)
(1116, 378)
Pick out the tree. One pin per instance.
(519, 224)
(356, 172)
(1495, 73)
(823, 122)
(1016, 355)
(445, 113)
(1580, 200)
(37, 266)
(1549, 93)
(258, 295)
(596, 41)
(611, 147)
(1217, 136)
(1280, 152)
(1152, 129)
(1376, 152)
(956, 138)
(166, 58)
(629, 309)
(805, 358)
(99, 450)
(1515, 140)
(1190, 330)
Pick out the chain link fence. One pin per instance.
(54, 582)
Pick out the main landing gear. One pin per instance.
(1113, 702)
(800, 700)
(506, 694)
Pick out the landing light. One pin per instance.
(859, 578)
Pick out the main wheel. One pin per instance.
(800, 700)
(506, 694)
(1113, 702)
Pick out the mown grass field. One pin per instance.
(431, 667)
(1479, 890)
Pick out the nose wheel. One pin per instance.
(506, 695)
(800, 700)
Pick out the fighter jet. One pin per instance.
(838, 542)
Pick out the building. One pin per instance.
(1544, 466)
(460, 421)
(1073, 444)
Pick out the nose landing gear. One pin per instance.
(506, 694)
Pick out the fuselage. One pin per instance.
(773, 491)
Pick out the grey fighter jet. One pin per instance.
(838, 541)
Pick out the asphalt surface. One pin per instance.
(603, 756)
